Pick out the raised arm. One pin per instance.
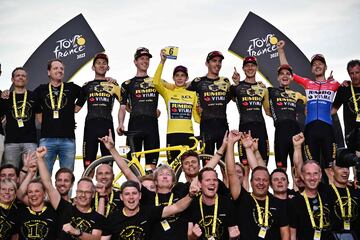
(281, 51)
(234, 182)
(158, 83)
(298, 140)
(54, 195)
(252, 153)
(120, 161)
(31, 171)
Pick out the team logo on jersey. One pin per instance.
(255, 91)
(148, 83)
(28, 111)
(345, 202)
(5, 227)
(82, 224)
(132, 232)
(207, 224)
(288, 94)
(219, 85)
(35, 229)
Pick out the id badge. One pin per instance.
(55, 114)
(20, 123)
(317, 235)
(358, 117)
(165, 225)
(347, 224)
(171, 52)
(262, 232)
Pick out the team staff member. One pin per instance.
(39, 219)
(319, 134)
(78, 220)
(19, 109)
(280, 104)
(142, 97)
(135, 221)
(261, 215)
(99, 94)
(8, 208)
(211, 216)
(214, 94)
(64, 181)
(57, 100)
(349, 97)
(250, 96)
(181, 106)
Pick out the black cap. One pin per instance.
(102, 56)
(213, 54)
(250, 59)
(142, 51)
(319, 57)
(285, 66)
(180, 69)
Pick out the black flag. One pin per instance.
(258, 38)
(74, 43)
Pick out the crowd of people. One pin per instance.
(236, 205)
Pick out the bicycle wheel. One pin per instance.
(202, 158)
(110, 159)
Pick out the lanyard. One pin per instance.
(213, 231)
(108, 205)
(170, 199)
(22, 107)
(311, 214)
(341, 203)
(59, 99)
(262, 222)
(356, 107)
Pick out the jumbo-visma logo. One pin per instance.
(70, 46)
(263, 45)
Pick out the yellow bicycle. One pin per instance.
(135, 165)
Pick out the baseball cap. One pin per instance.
(180, 68)
(319, 57)
(142, 51)
(213, 54)
(250, 59)
(102, 56)
(285, 66)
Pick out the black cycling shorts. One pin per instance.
(174, 139)
(283, 146)
(320, 140)
(94, 129)
(213, 131)
(258, 130)
(149, 137)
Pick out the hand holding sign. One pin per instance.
(171, 52)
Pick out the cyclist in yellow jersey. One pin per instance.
(180, 104)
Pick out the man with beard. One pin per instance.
(99, 94)
(212, 215)
(261, 215)
(77, 221)
(250, 96)
(105, 176)
(319, 133)
(214, 95)
(64, 181)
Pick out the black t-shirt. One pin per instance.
(112, 202)
(37, 225)
(248, 216)
(62, 127)
(300, 219)
(85, 222)
(14, 133)
(140, 93)
(99, 95)
(344, 97)
(213, 94)
(283, 104)
(225, 217)
(137, 227)
(8, 219)
(336, 220)
(177, 223)
(249, 99)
